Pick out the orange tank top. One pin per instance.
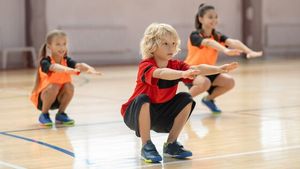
(44, 79)
(201, 54)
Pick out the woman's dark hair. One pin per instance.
(202, 9)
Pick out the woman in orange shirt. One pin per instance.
(203, 47)
(53, 88)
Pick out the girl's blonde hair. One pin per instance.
(152, 38)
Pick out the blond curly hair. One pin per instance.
(152, 38)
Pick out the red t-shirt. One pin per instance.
(158, 90)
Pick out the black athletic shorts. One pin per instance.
(55, 104)
(162, 114)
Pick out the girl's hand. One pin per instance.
(254, 54)
(87, 68)
(232, 52)
(228, 67)
(92, 70)
(72, 71)
(190, 73)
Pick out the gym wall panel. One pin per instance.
(12, 29)
(133, 17)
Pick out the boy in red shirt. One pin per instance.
(154, 103)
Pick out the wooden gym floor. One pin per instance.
(259, 128)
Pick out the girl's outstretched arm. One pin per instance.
(60, 68)
(236, 44)
(87, 68)
(216, 45)
(198, 41)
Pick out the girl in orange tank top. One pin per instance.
(203, 47)
(53, 88)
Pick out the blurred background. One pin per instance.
(108, 32)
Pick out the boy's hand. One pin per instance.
(232, 52)
(190, 73)
(254, 54)
(229, 67)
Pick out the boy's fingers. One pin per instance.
(196, 72)
(234, 64)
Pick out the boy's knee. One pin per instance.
(143, 98)
(185, 95)
(187, 98)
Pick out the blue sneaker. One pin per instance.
(176, 150)
(45, 120)
(211, 105)
(62, 118)
(149, 153)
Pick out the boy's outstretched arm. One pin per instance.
(171, 74)
(236, 44)
(210, 70)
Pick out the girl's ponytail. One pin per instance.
(43, 51)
